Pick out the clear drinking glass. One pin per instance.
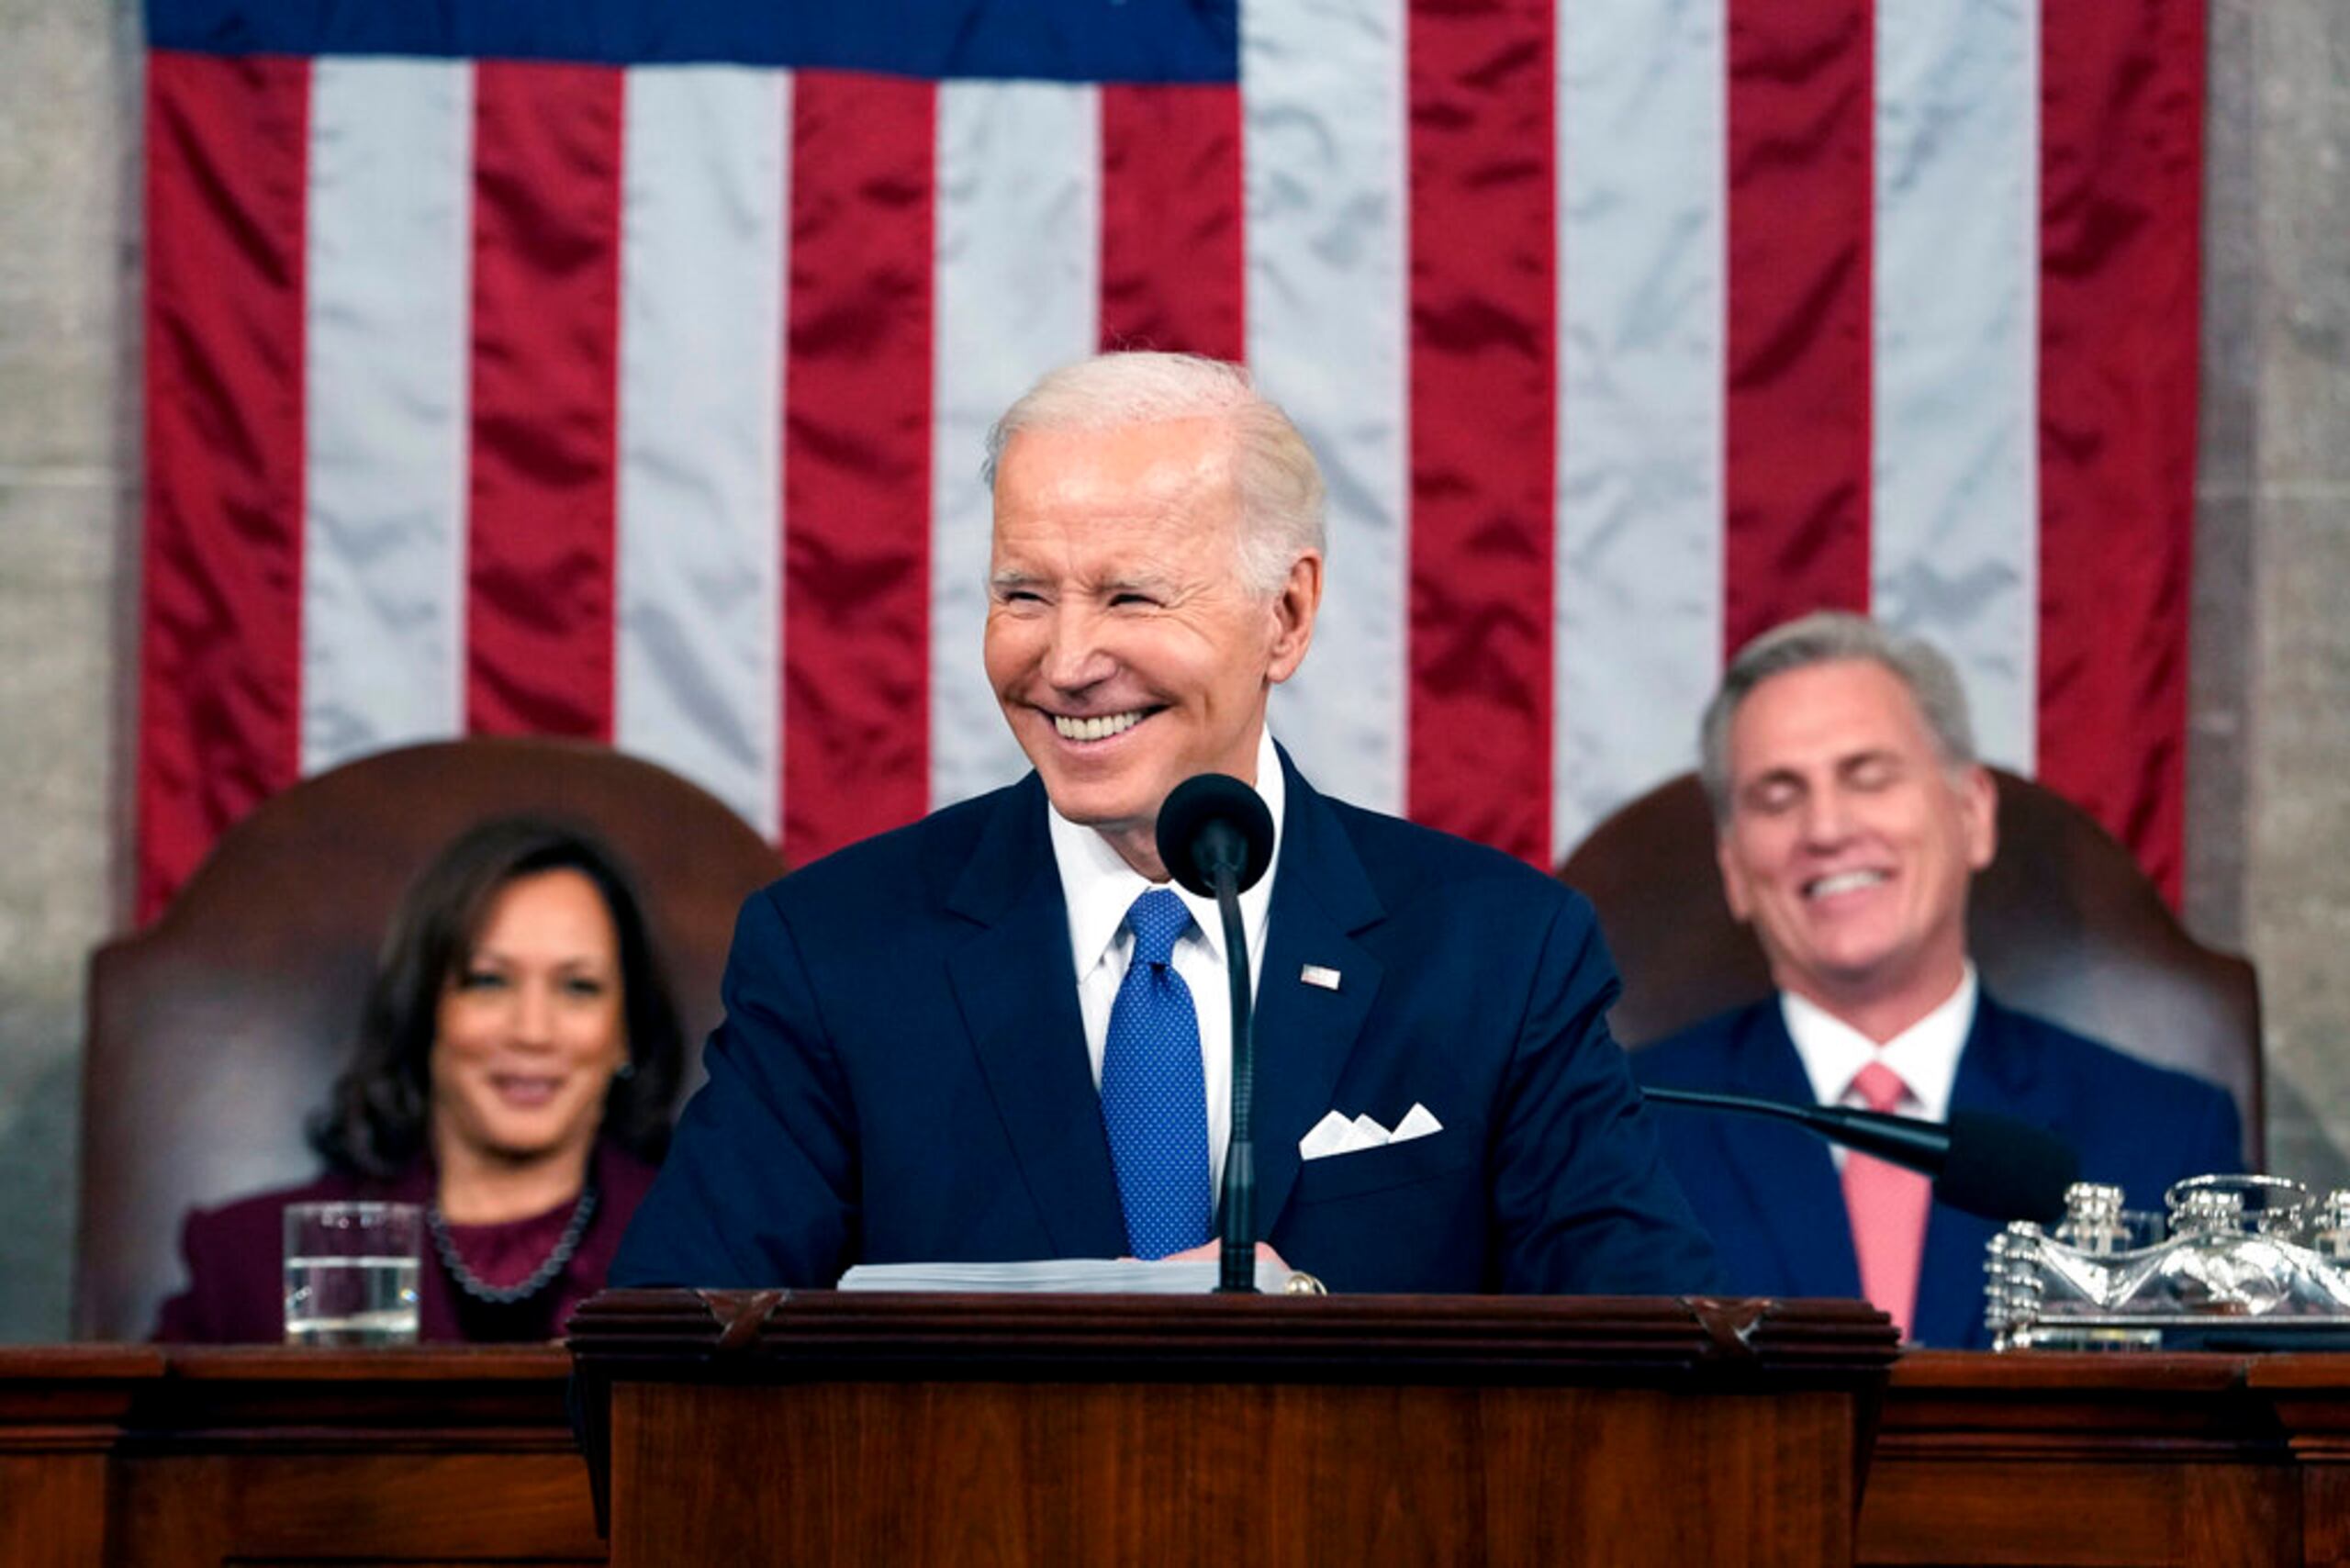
(351, 1274)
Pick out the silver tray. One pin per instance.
(2233, 1261)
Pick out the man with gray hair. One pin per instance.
(999, 1034)
(1850, 814)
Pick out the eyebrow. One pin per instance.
(1790, 773)
(1767, 778)
(1128, 582)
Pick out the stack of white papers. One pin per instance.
(1089, 1276)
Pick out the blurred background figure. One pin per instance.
(1850, 815)
(516, 1065)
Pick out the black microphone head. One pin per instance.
(1188, 823)
(2006, 1169)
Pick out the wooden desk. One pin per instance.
(852, 1430)
(129, 1455)
(2208, 1461)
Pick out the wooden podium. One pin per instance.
(824, 1428)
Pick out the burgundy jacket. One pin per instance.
(235, 1292)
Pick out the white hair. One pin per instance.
(1833, 636)
(1280, 485)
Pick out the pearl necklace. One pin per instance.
(541, 1277)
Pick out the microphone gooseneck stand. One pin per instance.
(1240, 1226)
(1987, 1164)
(1216, 837)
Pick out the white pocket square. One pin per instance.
(1339, 1134)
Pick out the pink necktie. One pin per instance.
(1889, 1208)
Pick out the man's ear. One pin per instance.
(1294, 611)
(1979, 815)
(1734, 888)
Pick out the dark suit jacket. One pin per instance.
(235, 1292)
(1770, 1194)
(902, 1075)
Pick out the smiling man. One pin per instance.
(1000, 1034)
(1849, 814)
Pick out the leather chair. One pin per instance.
(215, 1034)
(2061, 922)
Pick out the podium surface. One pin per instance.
(827, 1428)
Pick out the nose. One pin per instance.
(1074, 655)
(1826, 818)
(533, 1020)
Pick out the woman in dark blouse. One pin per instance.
(516, 1062)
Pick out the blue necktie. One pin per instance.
(1154, 1091)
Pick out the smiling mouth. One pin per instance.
(526, 1090)
(1844, 882)
(1102, 727)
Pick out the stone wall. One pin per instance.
(2296, 490)
(68, 472)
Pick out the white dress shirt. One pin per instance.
(1925, 1055)
(1100, 887)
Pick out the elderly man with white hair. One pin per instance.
(1850, 814)
(999, 1034)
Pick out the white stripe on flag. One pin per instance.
(1323, 125)
(1955, 542)
(384, 405)
(1642, 216)
(698, 556)
(1017, 279)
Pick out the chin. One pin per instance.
(520, 1144)
(520, 1150)
(1098, 805)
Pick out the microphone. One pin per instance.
(1216, 837)
(1213, 821)
(1989, 1165)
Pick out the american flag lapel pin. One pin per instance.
(1319, 975)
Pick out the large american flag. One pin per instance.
(617, 369)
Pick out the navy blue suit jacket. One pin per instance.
(902, 1075)
(1770, 1195)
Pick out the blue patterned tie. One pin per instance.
(1154, 1091)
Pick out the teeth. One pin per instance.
(1100, 729)
(1845, 881)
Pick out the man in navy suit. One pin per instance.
(1849, 814)
(1000, 1034)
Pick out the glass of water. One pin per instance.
(351, 1274)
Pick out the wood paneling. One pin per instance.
(1377, 1443)
(2116, 1459)
(129, 1456)
(841, 1429)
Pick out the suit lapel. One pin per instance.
(1018, 995)
(1993, 1075)
(1798, 1201)
(1304, 1033)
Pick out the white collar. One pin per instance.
(1925, 1055)
(1099, 887)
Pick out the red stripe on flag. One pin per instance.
(1796, 407)
(856, 460)
(1172, 203)
(1483, 412)
(545, 341)
(220, 660)
(2122, 127)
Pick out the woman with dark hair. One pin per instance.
(517, 1061)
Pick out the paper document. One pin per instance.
(1090, 1276)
